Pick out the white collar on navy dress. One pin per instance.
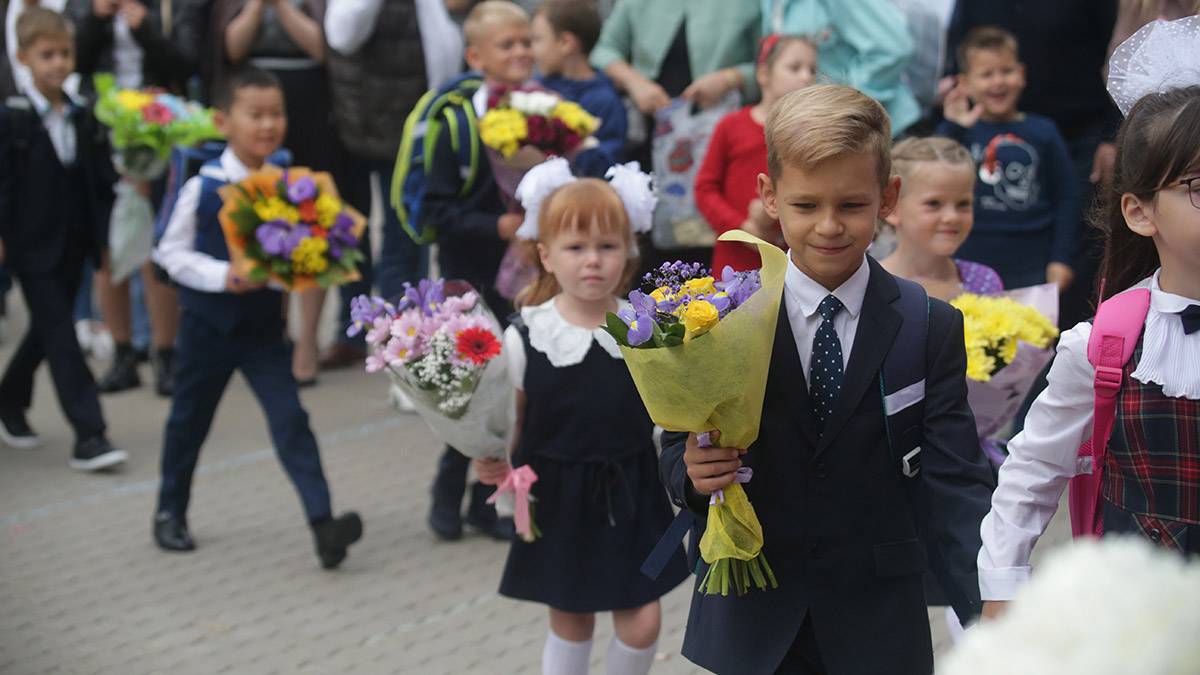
(1170, 357)
(564, 343)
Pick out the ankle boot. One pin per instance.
(122, 374)
(164, 372)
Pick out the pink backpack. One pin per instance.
(1115, 332)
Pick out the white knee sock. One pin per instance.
(563, 657)
(625, 660)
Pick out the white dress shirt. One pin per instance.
(176, 251)
(58, 124)
(1042, 458)
(127, 54)
(349, 23)
(803, 296)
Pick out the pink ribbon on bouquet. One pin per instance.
(518, 481)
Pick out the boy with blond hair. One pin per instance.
(460, 202)
(858, 491)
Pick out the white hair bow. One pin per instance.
(635, 188)
(1160, 56)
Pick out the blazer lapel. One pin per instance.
(788, 375)
(878, 325)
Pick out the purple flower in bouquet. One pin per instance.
(674, 274)
(426, 295)
(381, 331)
(302, 190)
(739, 286)
(341, 235)
(279, 237)
(641, 326)
(364, 309)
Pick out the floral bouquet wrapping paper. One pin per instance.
(291, 227)
(699, 349)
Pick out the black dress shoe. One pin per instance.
(15, 429)
(95, 454)
(334, 535)
(164, 372)
(482, 516)
(171, 533)
(122, 374)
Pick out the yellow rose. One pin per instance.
(699, 286)
(328, 207)
(274, 208)
(132, 99)
(698, 318)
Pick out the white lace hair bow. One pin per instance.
(634, 187)
(1162, 55)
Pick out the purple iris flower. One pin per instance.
(302, 190)
(642, 303)
(721, 302)
(739, 286)
(273, 237)
(341, 235)
(641, 326)
(426, 295)
(364, 309)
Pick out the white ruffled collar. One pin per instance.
(563, 343)
(1170, 357)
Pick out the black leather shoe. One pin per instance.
(122, 375)
(164, 372)
(447, 526)
(334, 535)
(171, 533)
(95, 454)
(482, 516)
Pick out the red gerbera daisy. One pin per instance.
(477, 345)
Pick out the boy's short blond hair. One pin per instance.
(822, 122)
(490, 13)
(36, 23)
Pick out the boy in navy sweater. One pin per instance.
(564, 33)
(1027, 196)
(228, 324)
(56, 195)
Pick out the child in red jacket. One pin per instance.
(726, 186)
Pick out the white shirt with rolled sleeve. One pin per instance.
(349, 23)
(176, 251)
(1042, 458)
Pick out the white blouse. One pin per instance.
(1042, 458)
(563, 343)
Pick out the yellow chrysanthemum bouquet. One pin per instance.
(995, 326)
(291, 226)
(1008, 339)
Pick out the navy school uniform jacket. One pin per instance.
(599, 97)
(847, 535)
(44, 206)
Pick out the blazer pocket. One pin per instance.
(900, 558)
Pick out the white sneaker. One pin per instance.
(83, 335)
(103, 346)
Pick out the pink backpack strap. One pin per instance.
(1115, 333)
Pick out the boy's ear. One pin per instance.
(1139, 215)
(472, 57)
(220, 121)
(766, 193)
(891, 195)
(23, 57)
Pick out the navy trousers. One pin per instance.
(205, 359)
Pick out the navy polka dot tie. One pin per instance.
(825, 375)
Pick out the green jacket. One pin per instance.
(720, 34)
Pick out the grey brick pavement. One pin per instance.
(83, 590)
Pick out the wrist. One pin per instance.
(733, 77)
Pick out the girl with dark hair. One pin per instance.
(1150, 218)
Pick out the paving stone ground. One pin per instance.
(84, 591)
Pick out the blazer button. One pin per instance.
(1155, 535)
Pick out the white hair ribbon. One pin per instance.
(634, 187)
(1161, 55)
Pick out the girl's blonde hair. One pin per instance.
(576, 207)
(911, 152)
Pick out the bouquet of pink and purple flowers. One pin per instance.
(441, 346)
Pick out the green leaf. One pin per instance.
(258, 274)
(615, 327)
